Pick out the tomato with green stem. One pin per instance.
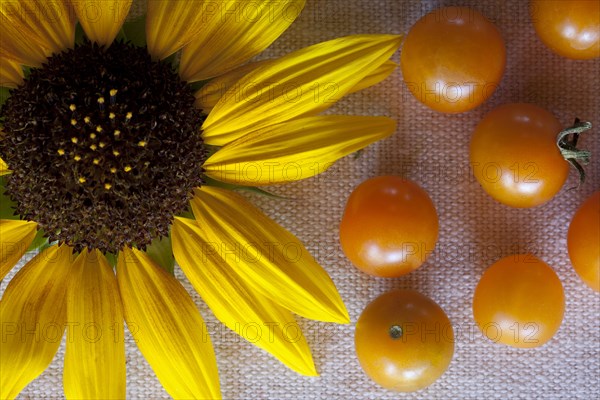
(520, 154)
(404, 341)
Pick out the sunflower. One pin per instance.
(122, 151)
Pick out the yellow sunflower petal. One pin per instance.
(16, 45)
(376, 76)
(236, 304)
(33, 316)
(210, 94)
(266, 256)
(101, 19)
(295, 150)
(15, 238)
(95, 356)
(34, 29)
(11, 75)
(304, 82)
(233, 32)
(169, 330)
(170, 25)
(3, 167)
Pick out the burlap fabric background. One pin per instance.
(475, 231)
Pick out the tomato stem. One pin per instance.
(568, 148)
(395, 331)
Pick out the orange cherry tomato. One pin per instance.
(389, 226)
(569, 28)
(583, 241)
(514, 155)
(519, 301)
(404, 341)
(453, 59)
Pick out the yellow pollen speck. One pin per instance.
(74, 140)
(87, 120)
(96, 161)
(116, 153)
(117, 133)
(72, 107)
(93, 147)
(113, 170)
(73, 122)
(113, 92)
(127, 168)
(128, 115)
(99, 129)
(107, 186)
(142, 143)
(61, 152)
(101, 144)
(100, 100)
(111, 116)
(82, 180)
(92, 136)
(77, 158)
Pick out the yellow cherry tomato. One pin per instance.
(519, 301)
(404, 341)
(389, 227)
(583, 241)
(514, 155)
(570, 28)
(453, 59)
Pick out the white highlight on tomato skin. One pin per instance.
(399, 253)
(374, 253)
(569, 32)
(519, 186)
(524, 119)
(413, 373)
(581, 39)
(410, 374)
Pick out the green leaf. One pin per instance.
(120, 36)
(197, 85)
(187, 214)
(161, 251)
(210, 150)
(112, 259)
(79, 34)
(4, 95)
(173, 59)
(40, 242)
(7, 206)
(26, 71)
(135, 31)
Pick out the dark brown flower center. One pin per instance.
(104, 145)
